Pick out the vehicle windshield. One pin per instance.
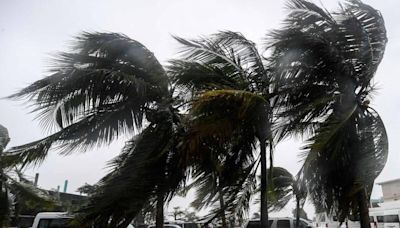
(55, 223)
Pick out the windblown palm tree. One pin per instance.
(104, 88)
(284, 187)
(324, 64)
(225, 78)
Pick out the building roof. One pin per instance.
(389, 181)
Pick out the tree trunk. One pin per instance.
(4, 207)
(160, 211)
(222, 205)
(264, 183)
(363, 209)
(297, 212)
(17, 210)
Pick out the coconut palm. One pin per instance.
(108, 86)
(228, 85)
(323, 64)
(284, 187)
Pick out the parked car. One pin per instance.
(279, 223)
(166, 226)
(55, 220)
(52, 219)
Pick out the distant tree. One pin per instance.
(284, 187)
(177, 212)
(87, 189)
(190, 216)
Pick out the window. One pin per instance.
(256, 224)
(283, 224)
(391, 218)
(379, 218)
(54, 223)
(253, 224)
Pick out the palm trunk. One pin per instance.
(363, 209)
(222, 205)
(297, 212)
(17, 210)
(264, 183)
(160, 211)
(4, 207)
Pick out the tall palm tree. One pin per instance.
(107, 86)
(323, 65)
(228, 84)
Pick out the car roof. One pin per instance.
(53, 215)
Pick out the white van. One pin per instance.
(54, 219)
(323, 220)
(285, 222)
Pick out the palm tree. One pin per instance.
(15, 189)
(4, 204)
(228, 84)
(284, 187)
(323, 64)
(107, 86)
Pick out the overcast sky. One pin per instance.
(32, 30)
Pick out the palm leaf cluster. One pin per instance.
(16, 191)
(324, 63)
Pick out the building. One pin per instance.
(390, 190)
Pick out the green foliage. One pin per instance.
(98, 91)
(87, 189)
(323, 64)
(15, 190)
(224, 78)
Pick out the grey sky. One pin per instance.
(31, 30)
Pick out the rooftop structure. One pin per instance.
(391, 190)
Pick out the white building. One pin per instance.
(390, 190)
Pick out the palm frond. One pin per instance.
(100, 90)
(147, 165)
(28, 193)
(227, 59)
(219, 114)
(346, 163)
